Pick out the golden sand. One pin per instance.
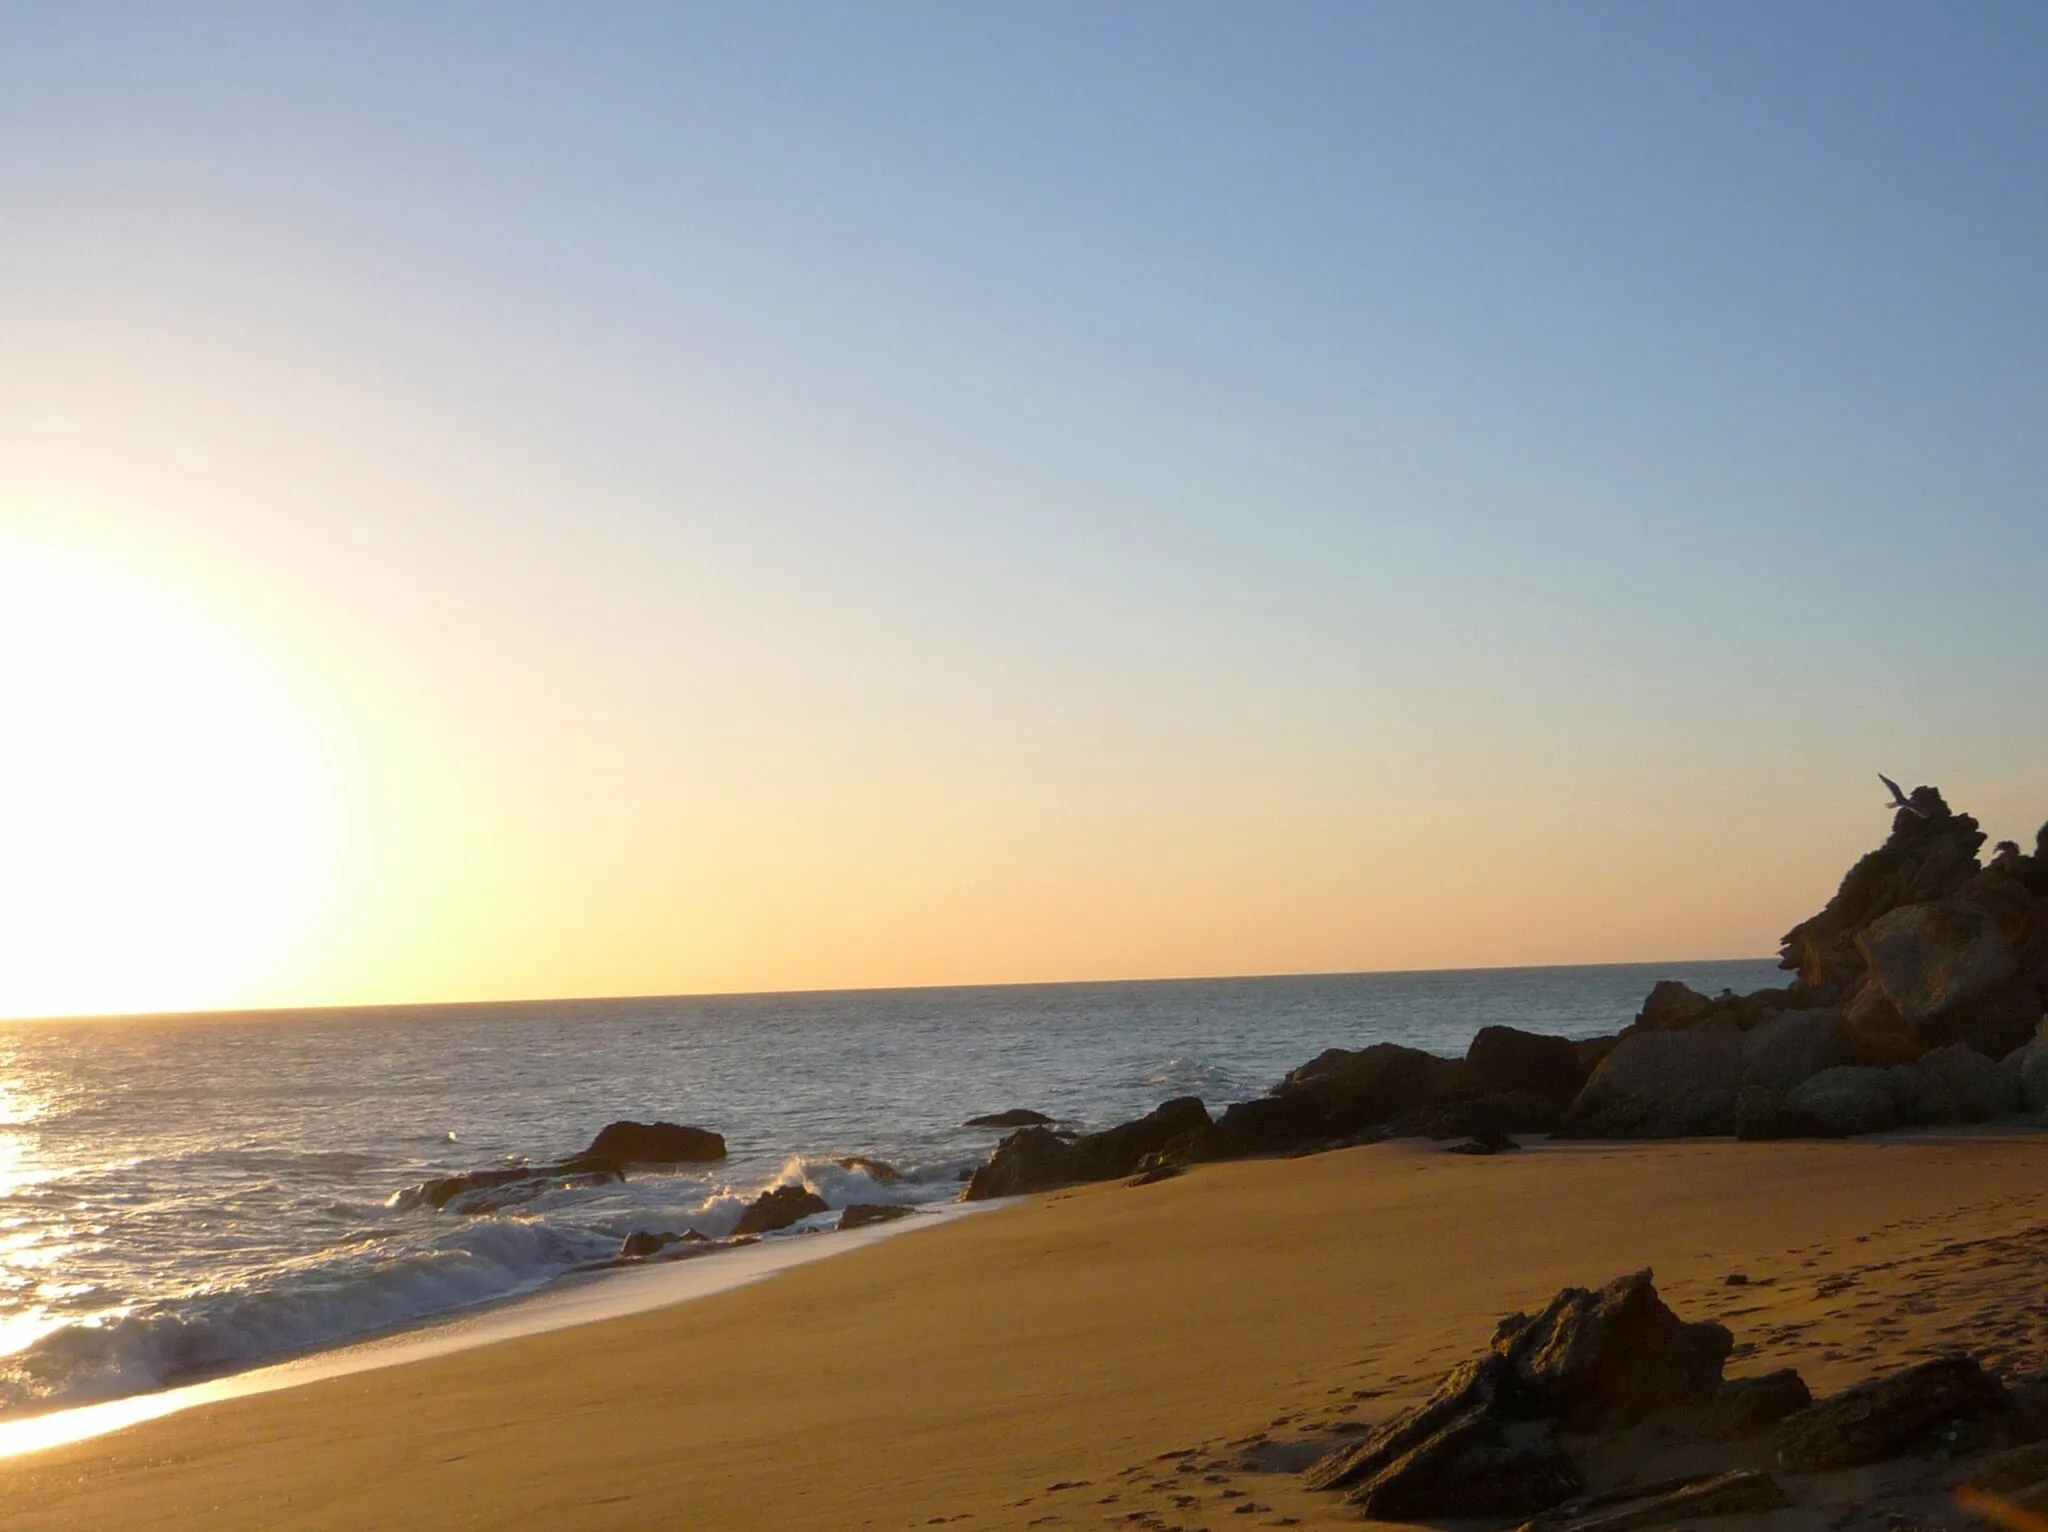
(1032, 1366)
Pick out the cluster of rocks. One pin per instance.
(621, 1146)
(617, 1147)
(1510, 1433)
(1918, 996)
(1918, 999)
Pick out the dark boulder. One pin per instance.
(1266, 1125)
(1748, 1407)
(1117, 1151)
(640, 1243)
(1015, 1117)
(1602, 1359)
(1994, 1023)
(1338, 1095)
(1507, 1060)
(1484, 1444)
(778, 1208)
(1888, 1416)
(1029, 1160)
(655, 1143)
(860, 1214)
(1032, 1159)
(485, 1191)
(1672, 1007)
(1654, 1084)
(1473, 1448)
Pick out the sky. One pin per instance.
(506, 500)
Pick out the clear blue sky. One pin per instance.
(1631, 414)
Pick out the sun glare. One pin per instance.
(162, 826)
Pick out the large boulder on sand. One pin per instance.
(1484, 1443)
(1336, 1095)
(655, 1143)
(1029, 1160)
(1844, 1101)
(1662, 1085)
(1117, 1151)
(1033, 1159)
(1508, 1061)
(1954, 1084)
(1792, 1046)
(1931, 958)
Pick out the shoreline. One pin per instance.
(1074, 1337)
(590, 1296)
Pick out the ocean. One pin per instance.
(186, 1196)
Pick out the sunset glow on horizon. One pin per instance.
(501, 506)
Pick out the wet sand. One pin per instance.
(1111, 1356)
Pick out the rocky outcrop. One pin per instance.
(1663, 1084)
(1922, 970)
(1033, 1159)
(1337, 1095)
(1931, 958)
(859, 1215)
(1930, 854)
(655, 1143)
(1120, 1150)
(1015, 1117)
(1029, 1160)
(778, 1208)
(1486, 1442)
(1886, 1416)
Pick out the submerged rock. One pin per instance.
(881, 1172)
(1015, 1117)
(655, 1143)
(860, 1214)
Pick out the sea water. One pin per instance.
(181, 1196)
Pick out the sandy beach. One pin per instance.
(1041, 1364)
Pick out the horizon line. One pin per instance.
(231, 1012)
